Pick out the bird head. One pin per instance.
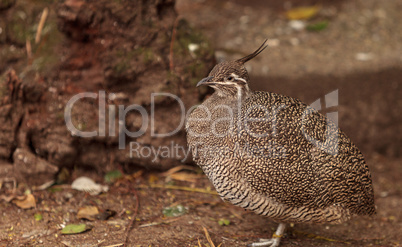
(230, 77)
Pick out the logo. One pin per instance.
(331, 136)
(267, 117)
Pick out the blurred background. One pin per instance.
(53, 50)
(353, 46)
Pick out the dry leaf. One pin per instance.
(302, 13)
(112, 176)
(28, 201)
(89, 213)
(74, 229)
(152, 178)
(105, 214)
(88, 185)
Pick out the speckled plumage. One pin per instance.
(258, 150)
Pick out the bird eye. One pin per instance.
(230, 78)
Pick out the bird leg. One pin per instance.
(274, 241)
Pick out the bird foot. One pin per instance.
(273, 242)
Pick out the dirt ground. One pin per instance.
(59, 206)
(369, 112)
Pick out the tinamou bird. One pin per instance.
(275, 155)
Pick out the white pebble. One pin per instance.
(361, 56)
(273, 42)
(297, 24)
(384, 193)
(193, 47)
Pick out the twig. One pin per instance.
(44, 186)
(208, 237)
(177, 169)
(99, 243)
(137, 204)
(171, 64)
(158, 223)
(41, 24)
(121, 212)
(29, 49)
(175, 187)
(115, 245)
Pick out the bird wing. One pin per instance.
(295, 155)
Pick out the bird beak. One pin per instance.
(205, 81)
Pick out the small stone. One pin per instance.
(238, 40)
(380, 13)
(68, 195)
(193, 47)
(297, 25)
(294, 41)
(244, 19)
(265, 70)
(273, 42)
(384, 193)
(361, 56)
